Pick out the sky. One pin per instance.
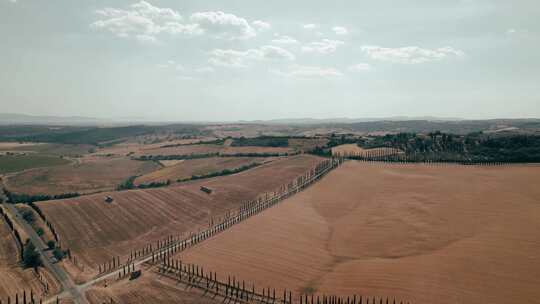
(203, 60)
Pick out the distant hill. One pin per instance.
(345, 120)
(23, 119)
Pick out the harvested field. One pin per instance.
(190, 167)
(427, 234)
(136, 146)
(14, 145)
(209, 148)
(307, 144)
(13, 277)
(15, 163)
(53, 149)
(354, 149)
(91, 175)
(347, 149)
(182, 150)
(150, 287)
(170, 163)
(96, 231)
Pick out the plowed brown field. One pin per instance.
(428, 234)
(201, 166)
(95, 231)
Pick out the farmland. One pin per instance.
(96, 231)
(48, 149)
(354, 149)
(209, 149)
(196, 167)
(14, 163)
(428, 234)
(416, 232)
(14, 278)
(91, 174)
(151, 286)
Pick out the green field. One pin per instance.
(14, 163)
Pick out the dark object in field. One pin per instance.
(206, 190)
(134, 275)
(108, 199)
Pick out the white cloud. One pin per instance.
(410, 54)
(242, 59)
(261, 25)
(340, 30)
(302, 71)
(310, 26)
(224, 25)
(360, 67)
(284, 40)
(325, 46)
(143, 21)
(148, 10)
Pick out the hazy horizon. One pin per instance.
(238, 60)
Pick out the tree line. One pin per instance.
(221, 173)
(209, 155)
(438, 146)
(16, 198)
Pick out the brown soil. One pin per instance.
(427, 234)
(190, 167)
(95, 231)
(149, 288)
(91, 175)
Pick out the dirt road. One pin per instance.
(58, 272)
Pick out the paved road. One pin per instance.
(58, 272)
